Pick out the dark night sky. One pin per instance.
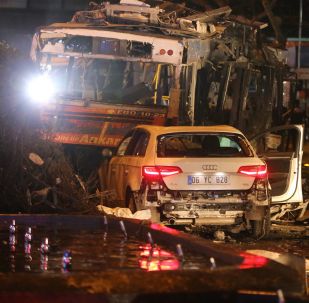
(286, 10)
(23, 22)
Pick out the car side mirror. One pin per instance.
(107, 153)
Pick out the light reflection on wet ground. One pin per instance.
(91, 252)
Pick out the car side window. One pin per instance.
(123, 146)
(138, 144)
(141, 145)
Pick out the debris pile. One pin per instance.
(35, 175)
(125, 212)
(167, 15)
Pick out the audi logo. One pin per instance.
(210, 167)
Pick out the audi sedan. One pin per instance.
(201, 175)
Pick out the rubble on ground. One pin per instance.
(122, 212)
(35, 175)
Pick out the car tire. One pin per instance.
(261, 228)
(131, 201)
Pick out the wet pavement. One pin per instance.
(279, 241)
(91, 251)
(108, 260)
(283, 239)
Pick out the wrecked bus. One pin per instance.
(103, 79)
(118, 65)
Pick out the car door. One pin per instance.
(115, 178)
(282, 149)
(125, 166)
(134, 159)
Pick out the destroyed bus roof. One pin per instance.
(143, 30)
(197, 49)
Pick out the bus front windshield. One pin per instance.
(110, 81)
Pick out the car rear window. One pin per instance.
(199, 145)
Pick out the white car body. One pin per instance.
(227, 193)
(284, 162)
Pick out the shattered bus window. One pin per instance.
(110, 81)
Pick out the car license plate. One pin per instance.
(208, 179)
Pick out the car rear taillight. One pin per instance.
(257, 171)
(156, 172)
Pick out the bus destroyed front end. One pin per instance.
(120, 65)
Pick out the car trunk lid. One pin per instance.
(210, 173)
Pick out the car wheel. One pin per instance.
(261, 228)
(131, 202)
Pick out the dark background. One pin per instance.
(20, 18)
